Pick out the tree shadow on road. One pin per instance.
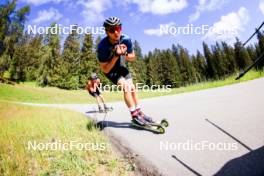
(186, 166)
(250, 164)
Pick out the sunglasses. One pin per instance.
(113, 29)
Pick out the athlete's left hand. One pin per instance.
(121, 49)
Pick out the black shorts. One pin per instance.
(96, 93)
(117, 73)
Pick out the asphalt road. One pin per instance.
(216, 131)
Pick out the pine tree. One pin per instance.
(11, 30)
(231, 66)
(50, 60)
(26, 59)
(242, 57)
(149, 69)
(138, 67)
(88, 62)
(153, 68)
(185, 66)
(34, 56)
(97, 41)
(260, 36)
(252, 52)
(6, 12)
(70, 65)
(175, 52)
(200, 67)
(137, 50)
(17, 68)
(171, 71)
(219, 61)
(211, 72)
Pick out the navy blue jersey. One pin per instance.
(106, 50)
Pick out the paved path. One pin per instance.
(216, 131)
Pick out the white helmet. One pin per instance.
(94, 76)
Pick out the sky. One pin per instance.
(155, 23)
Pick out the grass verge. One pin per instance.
(49, 141)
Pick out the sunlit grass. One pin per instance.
(22, 125)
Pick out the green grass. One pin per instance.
(23, 124)
(29, 92)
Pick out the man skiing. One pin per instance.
(92, 87)
(109, 52)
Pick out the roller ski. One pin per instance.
(147, 123)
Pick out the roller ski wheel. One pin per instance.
(164, 123)
(161, 130)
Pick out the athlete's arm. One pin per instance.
(88, 87)
(97, 84)
(107, 66)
